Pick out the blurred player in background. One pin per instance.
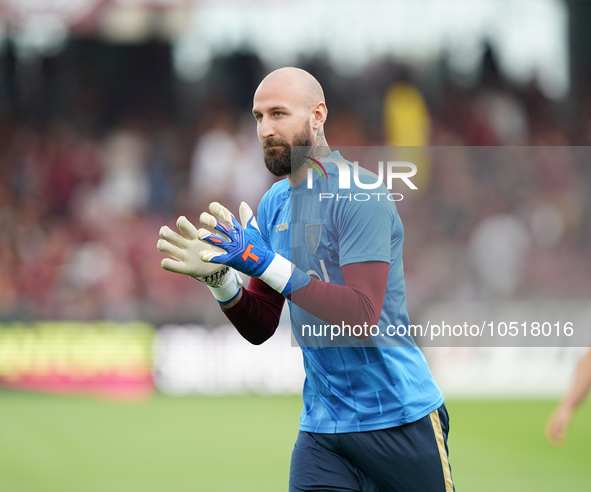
(560, 420)
(373, 417)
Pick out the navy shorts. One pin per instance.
(409, 458)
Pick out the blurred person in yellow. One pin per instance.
(560, 420)
(406, 117)
(407, 126)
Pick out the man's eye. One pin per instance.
(258, 117)
(277, 113)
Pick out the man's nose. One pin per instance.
(266, 128)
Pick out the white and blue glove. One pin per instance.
(244, 248)
(184, 250)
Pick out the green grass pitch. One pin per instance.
(243, 443)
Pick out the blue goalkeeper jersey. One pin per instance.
(350, 388)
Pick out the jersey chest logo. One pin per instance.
(312, 234)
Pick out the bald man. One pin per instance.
(373, 417)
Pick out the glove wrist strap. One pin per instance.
(283, 276)
(229, 290)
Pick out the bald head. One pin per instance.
(290, 111)
(304, 88)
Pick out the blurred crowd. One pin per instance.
(80, 210)
(80, 213)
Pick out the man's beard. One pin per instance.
(279, 160)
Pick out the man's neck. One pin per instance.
(318, 150)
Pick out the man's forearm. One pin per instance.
(357, 302)
(581, 385)
(256, 311)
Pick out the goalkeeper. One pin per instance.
(373, 417)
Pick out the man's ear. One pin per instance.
(319, 114)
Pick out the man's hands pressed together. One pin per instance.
(239, 246)
(186, 250)
(243, 247)
(214, 254)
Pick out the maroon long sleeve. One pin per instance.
(257, 314)
(359, 301)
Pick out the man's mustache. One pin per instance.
(274, 143)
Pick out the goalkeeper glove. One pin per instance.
(224, 282)
(244, 248)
